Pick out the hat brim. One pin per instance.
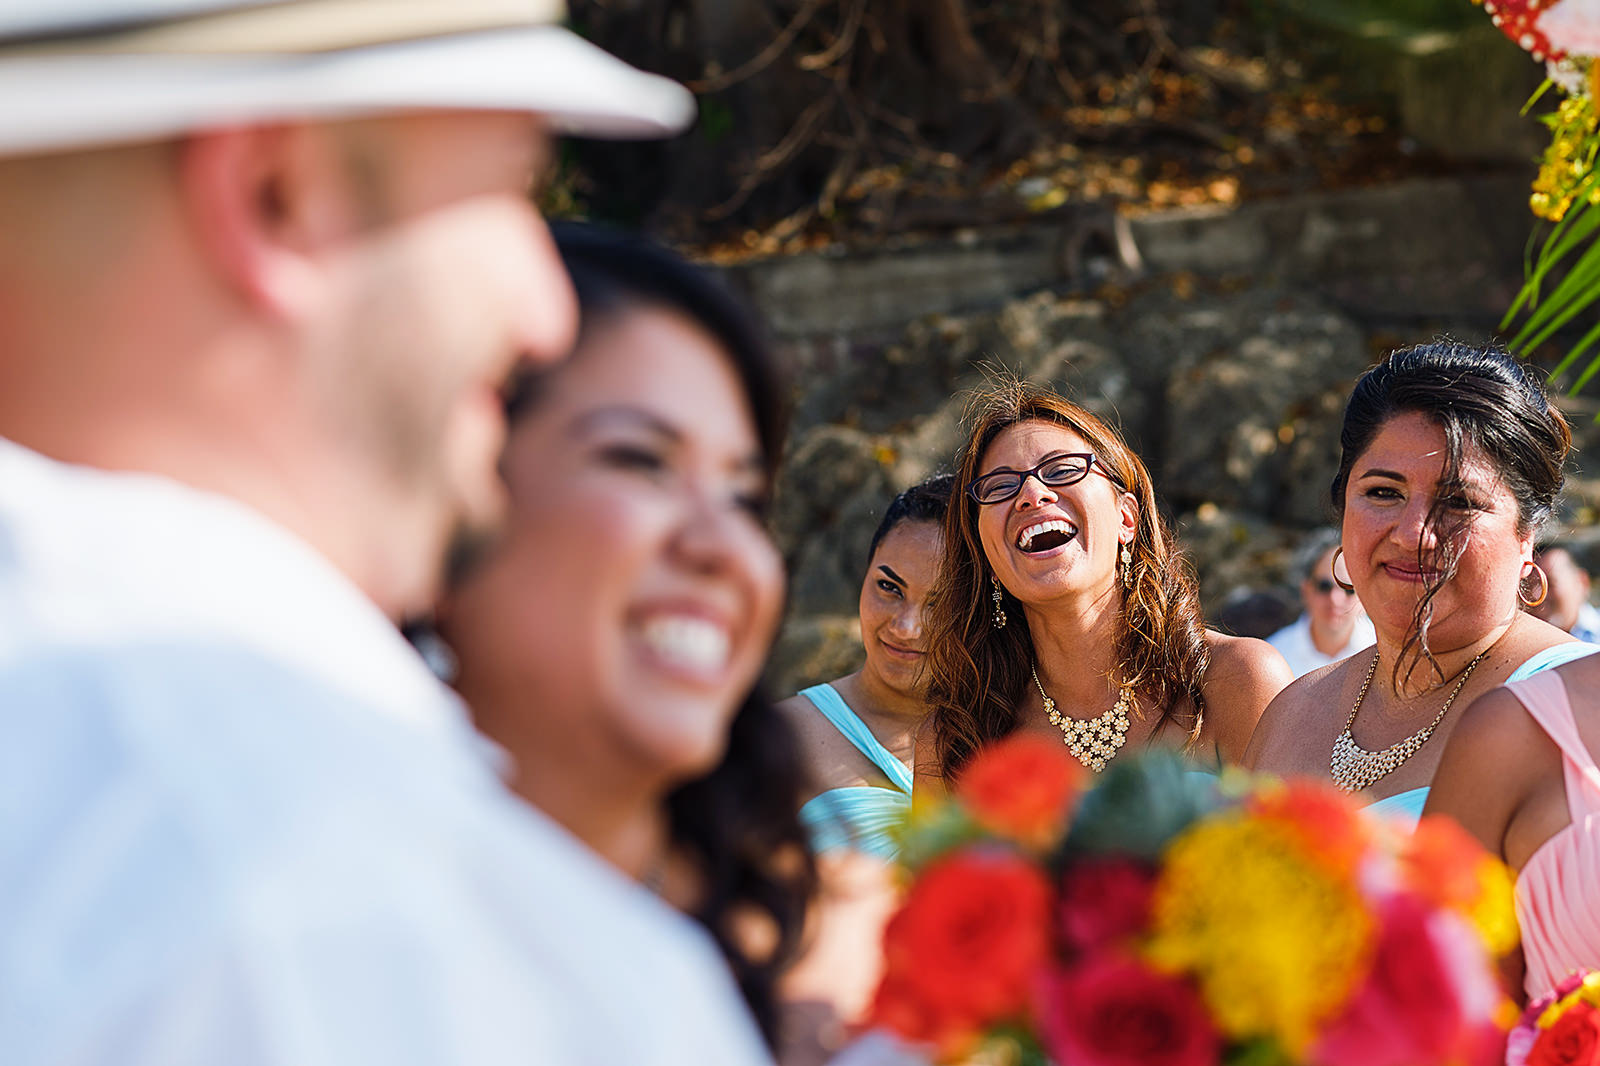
(62, 102)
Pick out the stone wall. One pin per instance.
(1223, 343)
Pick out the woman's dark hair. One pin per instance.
(925, 501)
(1485, 399)
(739, 824)
(976, 672)
(615, 273)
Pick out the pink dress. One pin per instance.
(1558, 890)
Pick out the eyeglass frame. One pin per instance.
(1091, 462)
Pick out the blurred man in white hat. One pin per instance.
(263, 268)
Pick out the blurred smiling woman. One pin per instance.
(611, 641)
(1063, 608)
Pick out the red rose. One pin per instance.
(1023, 787)
(1574, 1039)
(1103, 901)
(965, 948)
(1112, 1010)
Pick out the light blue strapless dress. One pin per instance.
(863, 816)
(1405, 808)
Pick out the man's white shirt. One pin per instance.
(241, 823)
(1294, 642)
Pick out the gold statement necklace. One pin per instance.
(1093, 741)
(1355, 768)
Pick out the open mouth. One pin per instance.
(1046, 535)
(687, 642)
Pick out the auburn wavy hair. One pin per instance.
(977, 673)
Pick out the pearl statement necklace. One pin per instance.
(1093, 741)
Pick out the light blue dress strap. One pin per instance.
(863, 817)
(1405, 808)
(1552, 657)
(827, 700)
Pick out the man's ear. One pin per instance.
(261, 205)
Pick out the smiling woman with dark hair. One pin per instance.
(1451, 460)
(612, 640)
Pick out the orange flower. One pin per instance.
(1325, 822)
(1442, 863)
(964, 950)
(1024, 787)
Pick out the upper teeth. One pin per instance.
(686, 639)
(1053, 525)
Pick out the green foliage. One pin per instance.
(1562, 269)
(1141, 804)
(1387, 20)
(716, 120)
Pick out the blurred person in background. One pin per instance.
(611, 642)
(1253, 613)
(1064, 608)
(1566, 605)
(1333, 626)
(1451, 457)
(266, 267)
(856, 733)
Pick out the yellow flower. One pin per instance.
(1275, 940)
(1494, 913)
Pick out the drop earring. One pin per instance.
(1127, 567)
(999, 619)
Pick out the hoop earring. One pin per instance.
(1127, 567)
(1544, 588)
(1333, 568)
(999, 619)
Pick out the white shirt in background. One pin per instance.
(241, 823)
(1294, 642)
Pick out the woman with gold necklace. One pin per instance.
(1451, 461)
(1062, 607)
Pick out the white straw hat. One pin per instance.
(76, 73)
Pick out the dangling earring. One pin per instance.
(1333, 568)
(1127, 567)
(1544, 588)
(999, 619)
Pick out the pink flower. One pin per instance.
(1103, 901)
(1112, 1010)
(1429, 997)
(1573, 27)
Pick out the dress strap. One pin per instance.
(1545, 697)
(826, 699)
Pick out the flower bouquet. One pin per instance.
(1162, 917)
(1561, 1028)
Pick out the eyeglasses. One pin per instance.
(1326, 585)
(1057, 471)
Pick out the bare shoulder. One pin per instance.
(1300, 720)
(1245, 659)
(1496, 740)
(1245, 675)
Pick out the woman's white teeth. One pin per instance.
(688, 641)
(1055, 525)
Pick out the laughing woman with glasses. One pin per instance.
(1063, 608)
